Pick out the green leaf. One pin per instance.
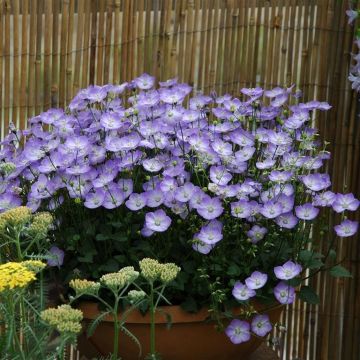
(110, 266)
(308, 295)
(167, 317)
(332, 254)
(340, 271)
(294, 282)
(233, 270)
(101, 237)
(311, 259)
(314, 264)
(94, 324)
(88, 258)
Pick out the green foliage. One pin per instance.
(340, 271)
(308, 295)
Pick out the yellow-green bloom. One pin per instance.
(64, 318)
(118, 280)
(136, 295)
(82, 286)
(34, 265)
(15, 275)
(40, 224)
(169, 272)
(150, 269)
(15, 217)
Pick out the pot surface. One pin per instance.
(190, 337)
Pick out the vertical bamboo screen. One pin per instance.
(49, 49)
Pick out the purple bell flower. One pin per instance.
(242, 292)
(157, 221)
(284, 293)
(260, 325)
(287, 271)
(347, 228)
(56, 256)
(306, 211)
(256, 280)
(238, 331)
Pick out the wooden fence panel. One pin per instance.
(49, 49)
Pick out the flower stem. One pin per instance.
(116, 329)
(152, 321)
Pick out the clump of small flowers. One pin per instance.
(235, 182)
(40, 224)
(34, 265)
(23, 233)
(135, 296)
(15, 275)
(120, 279)
(83, 286)
(64, 318)
(354, 75)
(152, 270)
(15, 217)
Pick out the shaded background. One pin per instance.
(49, 49)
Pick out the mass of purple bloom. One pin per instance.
(253, 160)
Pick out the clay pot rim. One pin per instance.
(178, 315)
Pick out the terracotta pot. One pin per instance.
(190, 337)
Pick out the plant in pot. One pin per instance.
(228, 189)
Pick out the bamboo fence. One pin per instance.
(49, 49)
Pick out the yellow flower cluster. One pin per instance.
(15, 217)
(119, 279)
(84, 286)
(40, 224)
(64, 318)
(152, 270)
(15, 275)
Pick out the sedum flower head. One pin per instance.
(82, 286)
(15, 217)
(15, 275)
(118, 280)
(34, 265)
(40, 224)
(64, 318)
(135, 296)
